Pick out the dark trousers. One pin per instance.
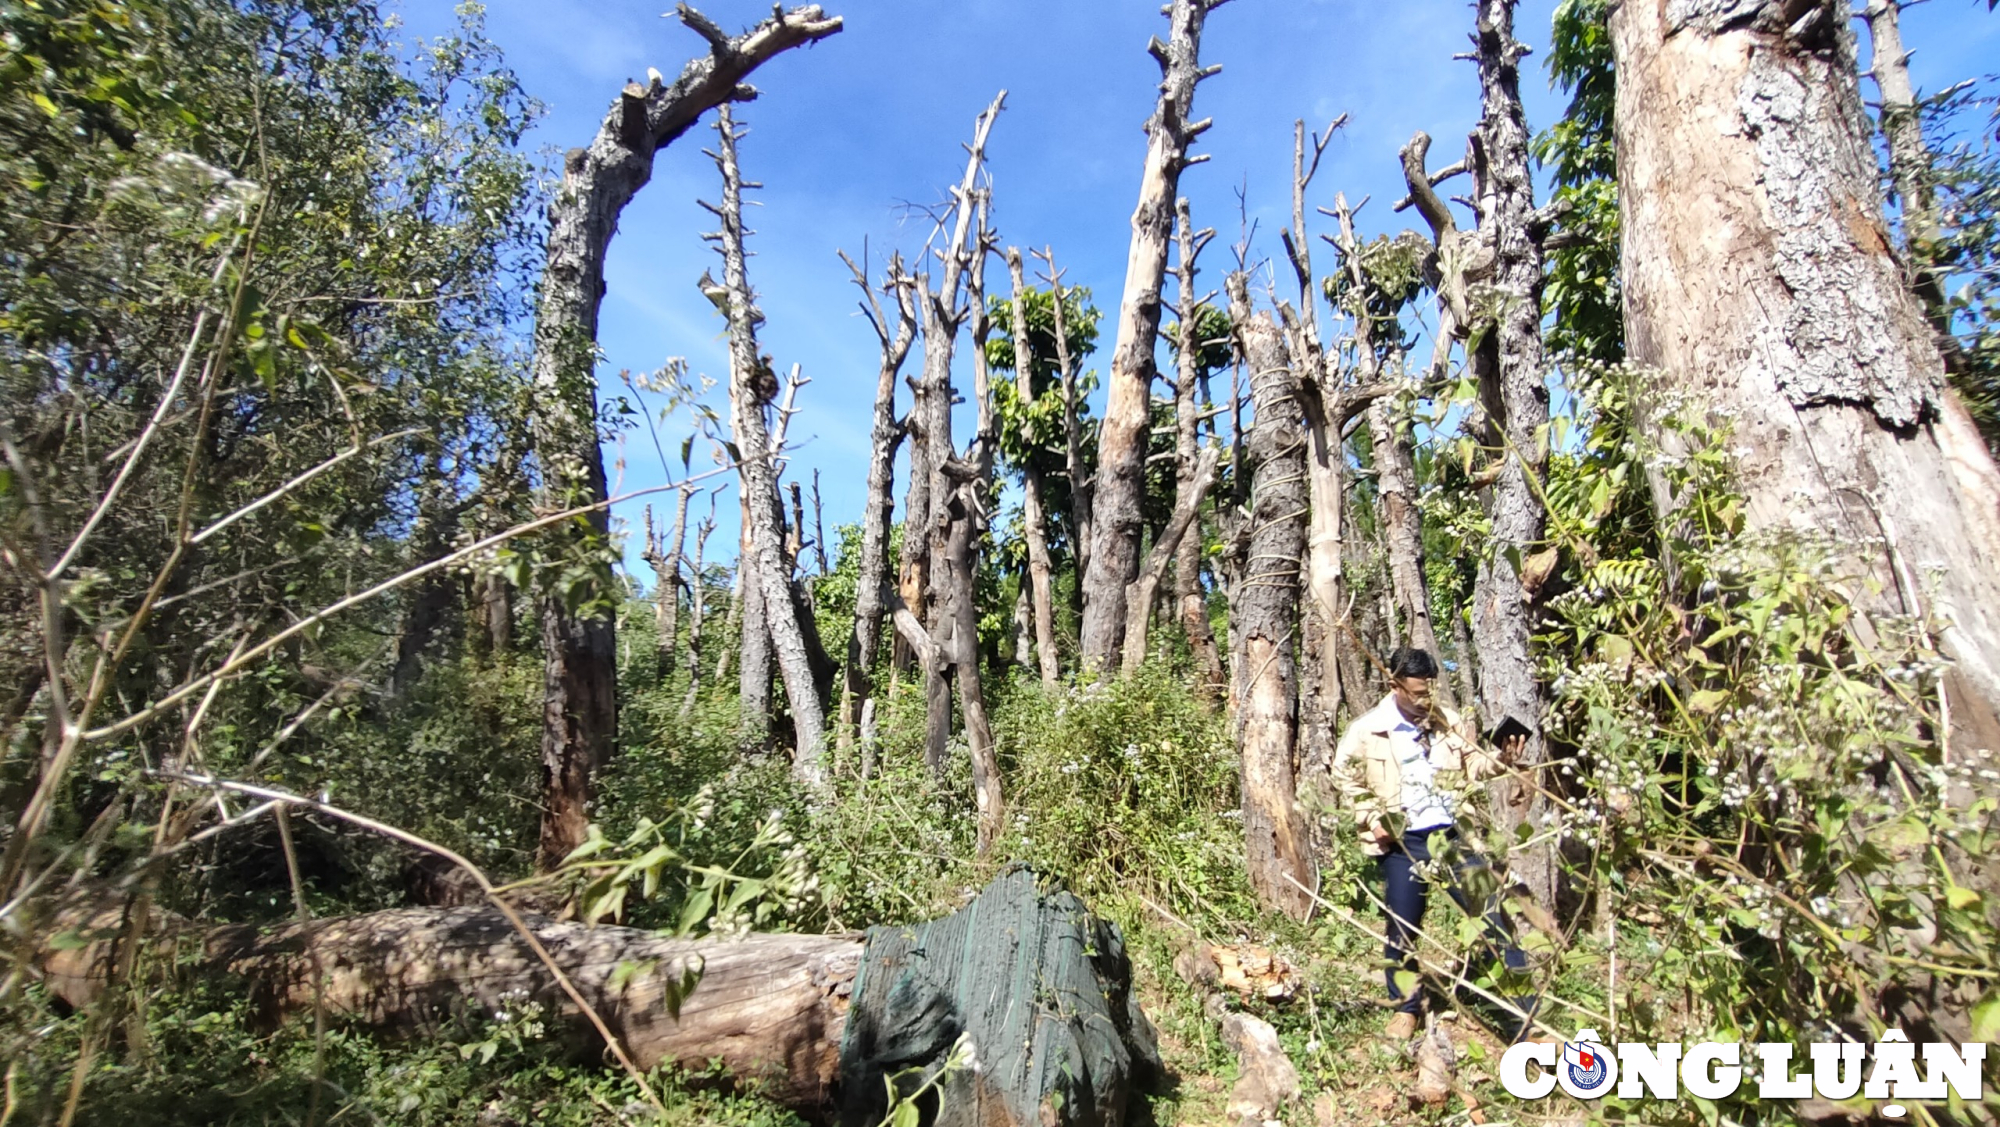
(1405, 899)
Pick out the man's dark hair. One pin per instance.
(1409, 661)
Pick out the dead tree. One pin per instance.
(870, 603)
(1121, 442)
(1394, 453)
(1034, 519)
(697, 606)
(1750, 121)
(1265, 615)
(819, 528)
(1082, 484)
(1507, 363)
(580, 703)
(926, 520)
(751, 390)
(1330, 402)
(666, 564)
(1190, 402)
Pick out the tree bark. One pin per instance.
(1121, 441)
(1799, 322)
(1266, 616)
(1508, 366)
(749, 394)
(580, 705)
(1041, 573)
(879, 508)
(1402, 525)
(753, 649)
(1190, 601)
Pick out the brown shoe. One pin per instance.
(1402, 1027)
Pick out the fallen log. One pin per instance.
(813, 1022)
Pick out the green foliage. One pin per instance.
(1965, 175)
(1756, 785)
(1582, 288)
(209, 1061)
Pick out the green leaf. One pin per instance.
(1959, 897)
(905, 1115)
(1707, 701)
(696, 910)
(42, 100)
(1986, 1018)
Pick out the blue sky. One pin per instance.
(847, 131)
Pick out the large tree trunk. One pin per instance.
(1041, 573)
(1121, 441)
(1265, 617)
(580, 705)
(750, 392)
(1508, 365)
(813, 1022)
(879, 507)
(1759, 279)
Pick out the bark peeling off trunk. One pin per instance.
(1265, 616)
(1760, 282)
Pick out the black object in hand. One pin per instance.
(1508, 729)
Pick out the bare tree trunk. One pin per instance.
(1402, 527)
(943, 313)
(819, 529)
(1910, 169)
(580, 703)
(697, 608)
(1121, 440)
(1508, 365)
(964, 627)
(748, 396)
(1041, 573)
(753, 648)
(1800, 324)
(879, 509)
(1145, 589)
(666, 563)
(1082, 484)
(1266, 617)
(1190, 602)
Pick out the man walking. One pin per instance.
(1401, 768)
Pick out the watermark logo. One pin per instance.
(1889, 1070)
(1588, 1069)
